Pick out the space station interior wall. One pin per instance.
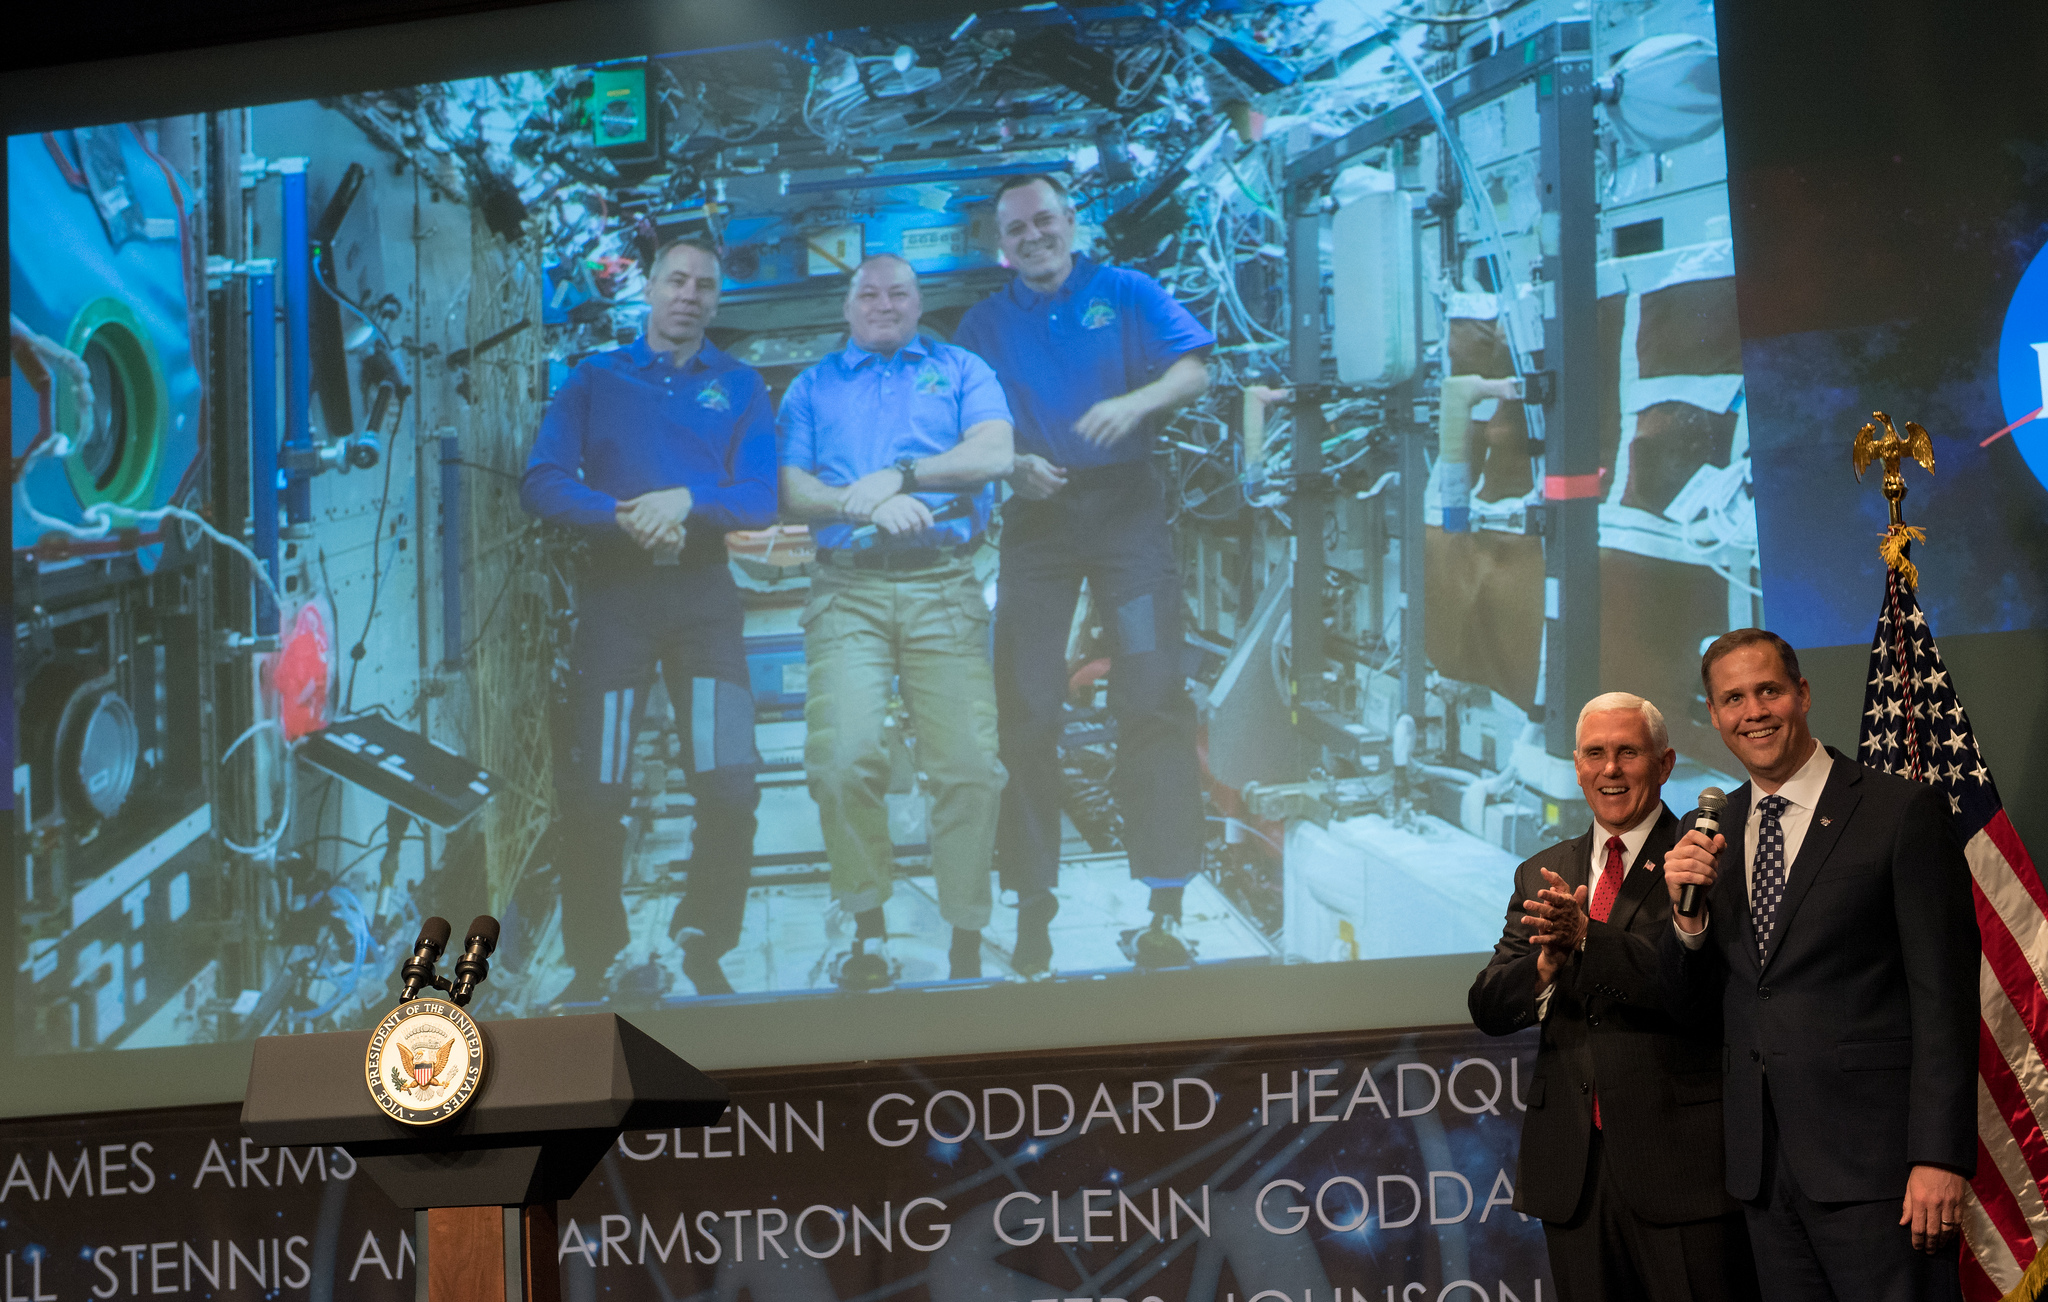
(182, 876)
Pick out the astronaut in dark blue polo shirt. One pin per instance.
(656, 450)
(1093, 359)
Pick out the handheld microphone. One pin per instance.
(473, 967)
(960, 508)
(1708, 823)
(419, 969)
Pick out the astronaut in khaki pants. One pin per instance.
(892, 432)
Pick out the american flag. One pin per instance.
(1914, 726)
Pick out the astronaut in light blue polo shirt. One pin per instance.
(857, 412)
(890, 450)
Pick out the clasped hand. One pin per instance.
(900, 515)
(655, 519)
(878, 499)
(863, 495)
(1556, 920)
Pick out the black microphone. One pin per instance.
(419, 969)
(472, 967)
(960, 508)
(1708, 823)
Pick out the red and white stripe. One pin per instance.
(2005, 1221)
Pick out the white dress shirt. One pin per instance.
(1631, 849)
(1801, 793)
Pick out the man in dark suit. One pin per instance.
(1839, 936)
(1621, 1146)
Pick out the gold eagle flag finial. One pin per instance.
(1891, 448)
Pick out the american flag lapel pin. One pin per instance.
(1825, 821)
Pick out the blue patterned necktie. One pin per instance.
(1768, 886)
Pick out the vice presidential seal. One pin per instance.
(425, 1062)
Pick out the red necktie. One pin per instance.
(1603, 904)
(1610, 881)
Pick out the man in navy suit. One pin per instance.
(1839, 931)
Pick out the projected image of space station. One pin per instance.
(296, 666)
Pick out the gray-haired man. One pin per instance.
(890, 431)
(1621, 1145)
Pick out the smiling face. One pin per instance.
(882, 305)
(682, 297)
(1620, 768)
(1761, 712)
(1035, 228)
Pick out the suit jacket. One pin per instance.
(1863, 1015)
(1608, 1027)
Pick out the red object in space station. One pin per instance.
(305, 670)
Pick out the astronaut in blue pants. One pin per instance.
(1093, 358)
(657, 450)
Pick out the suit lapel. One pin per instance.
(1735, 826)
(1831, 813)
(1577, 870)
(1647, 873)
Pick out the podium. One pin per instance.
(554, 1097)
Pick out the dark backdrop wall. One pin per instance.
(133, 28)
(1888, 176)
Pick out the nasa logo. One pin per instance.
(2023, 368)
(425, 1062)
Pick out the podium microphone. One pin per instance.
(473, 966)
(1708, 823)
(419, 969)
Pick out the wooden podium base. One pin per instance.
(488, 1254)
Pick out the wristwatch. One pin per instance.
(907, 467)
